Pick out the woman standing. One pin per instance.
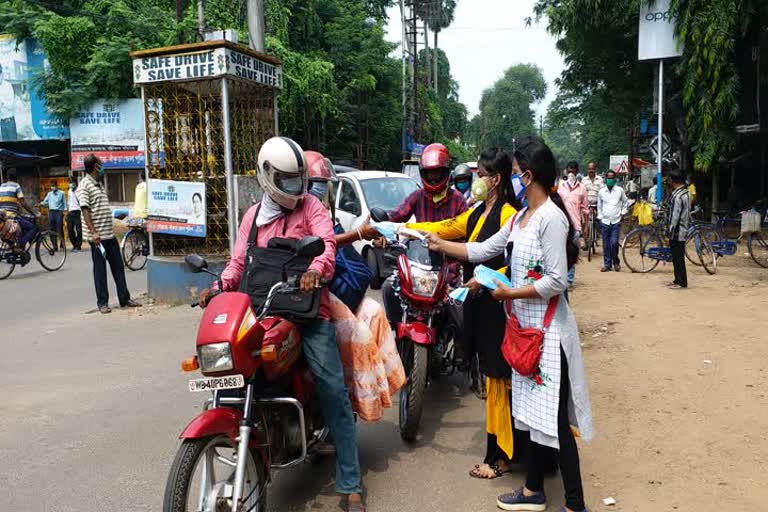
(539, 253)
(484, 316)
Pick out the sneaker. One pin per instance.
(104, 310)
(518, 501)
(616, 267)
(677, 287)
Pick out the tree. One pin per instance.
(505, 108)
(441, 17)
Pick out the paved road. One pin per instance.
(93, 405)
(37, 293)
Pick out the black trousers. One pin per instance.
(112, 255)
(56, 225)
(568, 455)
(678, 262)
(75, 229)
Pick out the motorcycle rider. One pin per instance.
(462, 181)
(434, 202)
(286, 210)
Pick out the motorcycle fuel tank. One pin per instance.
(281, 347)
(230, 318)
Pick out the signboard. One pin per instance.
(209, 63)
(666, 147)
(657, 32)
(619, 164)
(176, 208)
(111, 130)
(24, 114)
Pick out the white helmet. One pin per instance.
(282, 171)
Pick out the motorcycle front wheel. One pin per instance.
(415, 359)
(202, 478)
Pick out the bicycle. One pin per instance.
(757, 246)
(646, 243)
(135, 245)
(594, 230)
(50, 257)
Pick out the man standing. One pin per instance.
(56, 203)
(611, 202)
(99, 234)
(11, 199)
(575, 199)
(680, 207)
(7, 109)
(74, 223)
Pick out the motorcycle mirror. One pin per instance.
(195, 263)
(310, 247)
(379, 215)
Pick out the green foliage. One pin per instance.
(506, 108)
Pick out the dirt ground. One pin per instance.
(679, 387)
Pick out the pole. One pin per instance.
(660, 137)
(230, 175)
(405, 82)
(146, 162)
(256, 24)
(201, 20)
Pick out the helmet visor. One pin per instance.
(291, 184)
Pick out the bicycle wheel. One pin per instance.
(707, 254)
(50, 257)
(704, 232)
(6, 267)
(135, 249)
(758, 249)
(634, 251)
(730, 228)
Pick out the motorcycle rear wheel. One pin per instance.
(415, 358)
(184, 486)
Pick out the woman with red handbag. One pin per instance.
(549, 386)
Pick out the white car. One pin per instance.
(360, 191)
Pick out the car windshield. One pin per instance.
(387, 193)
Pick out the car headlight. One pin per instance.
(214, 358)
(424, 281)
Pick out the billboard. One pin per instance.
(176, 208)
(24, 114)
(111, 130)
(657, 32)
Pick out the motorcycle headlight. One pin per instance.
(214, 358)
(424, 281)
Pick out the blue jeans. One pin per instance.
(611, 245)
(322, 353)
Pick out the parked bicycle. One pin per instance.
(757, 245)
(50, 257)
(135, 245)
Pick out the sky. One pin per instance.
(486, 38)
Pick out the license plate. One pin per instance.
(214, 383)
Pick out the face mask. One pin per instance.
(101, 171)
(462, 186)
(571, 179)
(518, 186)
(480, 190)
(610, 182)
(319, 189)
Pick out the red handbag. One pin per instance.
(522, 347)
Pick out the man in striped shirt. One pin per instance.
(97, 230)
(11, 200)
(680, 213)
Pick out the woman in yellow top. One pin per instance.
(484, 319)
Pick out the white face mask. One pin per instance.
(571, 179)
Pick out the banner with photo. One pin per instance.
(24, 114)
(111, 130)
(176, 208)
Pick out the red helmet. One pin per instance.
(319, 167)
(435, 157)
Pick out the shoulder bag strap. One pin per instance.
(551, 308)
(254, 228)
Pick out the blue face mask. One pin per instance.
(518, 186)
(462, 186)
(319, 189)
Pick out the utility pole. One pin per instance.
(200, 20)
(541, 126)
(256, 25)
(179, 16)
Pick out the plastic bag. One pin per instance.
(485, 277)
(750, 222)
(644, 213)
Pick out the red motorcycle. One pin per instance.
(262, 415)
(425, 335)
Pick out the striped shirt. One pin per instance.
(92, 195)
(10, 194)
(680, 213)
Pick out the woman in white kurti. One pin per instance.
(539, 258)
